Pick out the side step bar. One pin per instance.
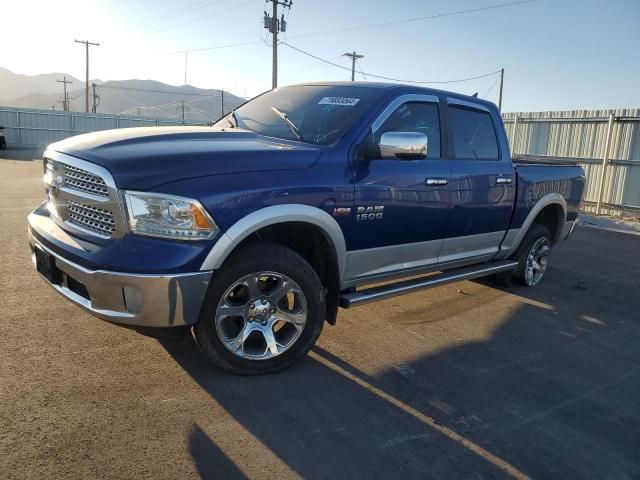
(373, 294)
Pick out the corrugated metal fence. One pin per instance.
(593, 138)
(605, 142)
(37, 128)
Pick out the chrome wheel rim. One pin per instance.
(537, 260)
(261, 315)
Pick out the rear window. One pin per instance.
(474, 136)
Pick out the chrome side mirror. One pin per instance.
(403, 145)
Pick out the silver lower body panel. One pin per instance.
(142, 300)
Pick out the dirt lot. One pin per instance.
(465, 380)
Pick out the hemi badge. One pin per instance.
(341, 212)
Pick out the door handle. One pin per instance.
(503, 180)
(436, 181)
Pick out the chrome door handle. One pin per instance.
(436, 181)
(503, 180)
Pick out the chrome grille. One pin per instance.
(82, 197)
(96, 220)
(79, 179)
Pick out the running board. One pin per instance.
(373, 294)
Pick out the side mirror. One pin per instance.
(403, 145)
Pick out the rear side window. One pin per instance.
(415, 117)
(473, 134)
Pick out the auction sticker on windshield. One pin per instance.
(344, 101)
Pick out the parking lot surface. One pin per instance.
(466, 380)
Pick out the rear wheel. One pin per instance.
(533, 255)
(264, 310)
(3, 144)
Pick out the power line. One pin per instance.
(359, 27)
(360, 68)
(179, 93)
(174, 103)
(413, 19)
(178, 11)
(491, 87)
(390, 78)
(203, 17)
(215, 47)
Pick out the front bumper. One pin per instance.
(140, 300)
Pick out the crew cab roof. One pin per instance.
(396, 86)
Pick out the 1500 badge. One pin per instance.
(369, 213)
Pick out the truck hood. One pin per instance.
(142, 158)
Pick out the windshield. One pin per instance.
(317, 114)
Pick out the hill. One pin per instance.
(15, 85)
(146, 98)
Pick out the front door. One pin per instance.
(401, 206)
(482, 183)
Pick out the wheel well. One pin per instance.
(552, 217)
(312, 244)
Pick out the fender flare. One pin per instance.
(545, 201)
(272, 215)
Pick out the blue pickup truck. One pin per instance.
(253, 232)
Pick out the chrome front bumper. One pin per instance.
(132, 299)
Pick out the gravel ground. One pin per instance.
(466, 380)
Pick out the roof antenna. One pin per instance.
(475, 95)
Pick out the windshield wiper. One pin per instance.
(290, 124)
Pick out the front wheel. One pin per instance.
(264, 310)
(533, 255)
(3, 145)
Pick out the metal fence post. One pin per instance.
(605, 162)
(515, 138)
(18, 126)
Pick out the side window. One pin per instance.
(415, 117)
(473, 134)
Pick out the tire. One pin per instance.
(534, 250)
(3, 145)
(263, 287)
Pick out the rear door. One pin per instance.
(482, 183)
(401, 205)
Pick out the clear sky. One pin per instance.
(564, 54)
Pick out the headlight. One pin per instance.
(168, 216)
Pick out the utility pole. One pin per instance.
(222, 103)
(354, 56)
(501, 82)
(182, 112)
(276, 25)
(95, 99)
(65, 101)
(86, 83)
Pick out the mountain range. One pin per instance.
(147, 98)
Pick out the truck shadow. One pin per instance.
(551, 392)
